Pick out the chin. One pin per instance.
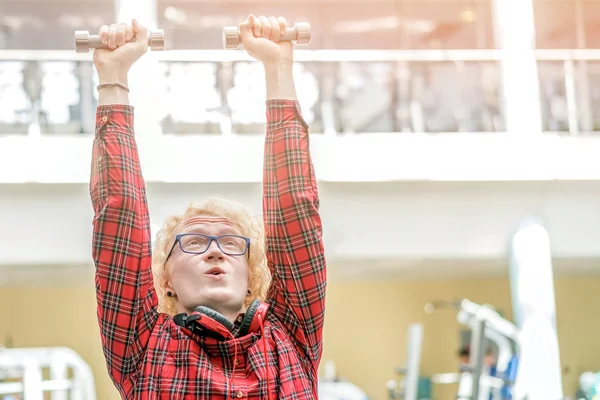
(217, 298)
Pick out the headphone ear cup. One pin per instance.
(216, 316)
(248, 317)
(256, 313)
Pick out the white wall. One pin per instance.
(348, 158)
(368, 227)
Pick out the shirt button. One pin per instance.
(104, 119)
(240, 394)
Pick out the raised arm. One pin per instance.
(125, 294)
(290, 197)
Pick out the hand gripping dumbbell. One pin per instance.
(300, 33)
(84, 41)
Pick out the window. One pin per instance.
(555, 24)
(42, 25)
(591, 23)
(373, 25)
(198, 25)
(447, 25)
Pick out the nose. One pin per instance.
(214, 251)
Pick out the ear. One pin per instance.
(166, 285)
(169, 291)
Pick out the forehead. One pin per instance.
(204, 223)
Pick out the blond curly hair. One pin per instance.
(259, 275)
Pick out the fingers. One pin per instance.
(140, 32)
(104, 34)
(274, 29)
(115, 35)
(271, 28)
(246, 28)
(282, 26)
(265, 27)
(112, 37)
(135, 25)
(256, 27)
(121, 32)
(129, 34)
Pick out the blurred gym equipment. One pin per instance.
(23, 369)
(331, 387)
(487, 326)
(411, 387)
(528, 362)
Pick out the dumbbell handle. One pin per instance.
(300, 33)
(84, 41)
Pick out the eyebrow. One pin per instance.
(230, 230)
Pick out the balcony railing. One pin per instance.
(214, 92)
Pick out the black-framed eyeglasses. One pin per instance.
(198, 243)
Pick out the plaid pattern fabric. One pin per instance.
(148, 356)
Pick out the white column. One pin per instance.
(413, 361)
(539, 375)
(583, 97)
(515, 36)
(145, 83)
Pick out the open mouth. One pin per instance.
(215, 271)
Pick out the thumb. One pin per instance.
(140, 31)
(246, 29)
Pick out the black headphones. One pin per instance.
(205, 321)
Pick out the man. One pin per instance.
(489, 368)
(464, 356)
(189, 321)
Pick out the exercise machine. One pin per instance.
(411, 387)
(589, 386)
(487, 326)
(21, 371)
(490, 383)
(331, 387)
(528, 363)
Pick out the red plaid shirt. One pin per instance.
(148, 356)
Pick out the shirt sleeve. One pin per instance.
(127, 303)
(293, 228)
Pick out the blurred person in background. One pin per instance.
(226, 305)
(464, 357)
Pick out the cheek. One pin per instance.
(184, 272)
(179, 273)
(241, 267)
